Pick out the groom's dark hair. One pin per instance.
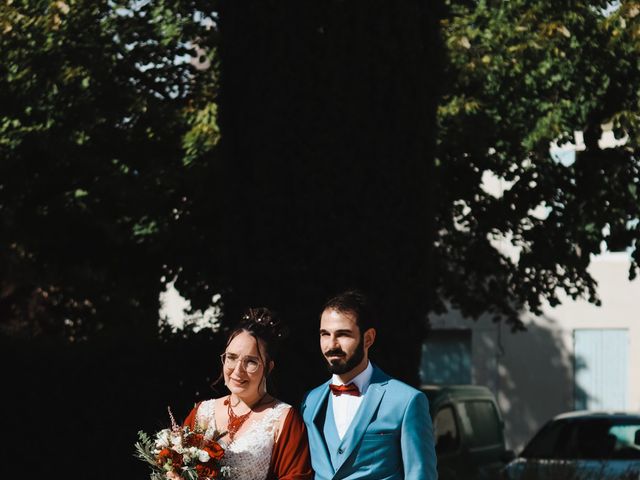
(357, 303)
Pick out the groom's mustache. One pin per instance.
(330, 353)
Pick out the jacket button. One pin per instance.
(340, 451)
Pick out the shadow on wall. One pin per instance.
(535, 376)
(531, 373)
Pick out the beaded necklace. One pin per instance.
(236, 421)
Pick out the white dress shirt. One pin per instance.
(345, 407)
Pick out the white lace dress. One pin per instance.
(249, 455)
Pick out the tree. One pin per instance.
(100, 118)
(520, 77)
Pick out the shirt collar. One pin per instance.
(362, 380)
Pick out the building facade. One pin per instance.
(576, 356)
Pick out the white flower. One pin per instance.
(203, 456)
(162, 439)
(176, 439)
(189, 454)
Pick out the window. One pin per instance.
(544, 443)
(446, 431)
(480, 420)
(588, 439)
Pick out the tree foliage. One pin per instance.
(522, 76)
(100, 116)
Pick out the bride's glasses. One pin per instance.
(249, 364)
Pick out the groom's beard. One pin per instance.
(343, 365)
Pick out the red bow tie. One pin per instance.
(351, 389)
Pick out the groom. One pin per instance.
(363, 423)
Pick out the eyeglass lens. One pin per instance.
(249, 363)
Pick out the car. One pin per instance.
(468, 431)
(581, 446)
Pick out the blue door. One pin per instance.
(600, 369)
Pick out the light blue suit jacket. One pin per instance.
(390, 438)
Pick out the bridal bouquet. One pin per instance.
(179, 453)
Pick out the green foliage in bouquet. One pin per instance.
(181, 453)
(144, 451)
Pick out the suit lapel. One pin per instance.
(320, 406)
(316, 431)
(361, 421)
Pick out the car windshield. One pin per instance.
(596, 438)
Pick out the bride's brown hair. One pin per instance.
(262, 324)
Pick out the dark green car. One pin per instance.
(468, 432)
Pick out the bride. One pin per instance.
(265, 438)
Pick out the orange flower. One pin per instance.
(167, 454)
(214, 450)
(207, 470)
(163, 456)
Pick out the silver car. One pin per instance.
(581, 446)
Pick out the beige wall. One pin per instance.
(531, 372)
